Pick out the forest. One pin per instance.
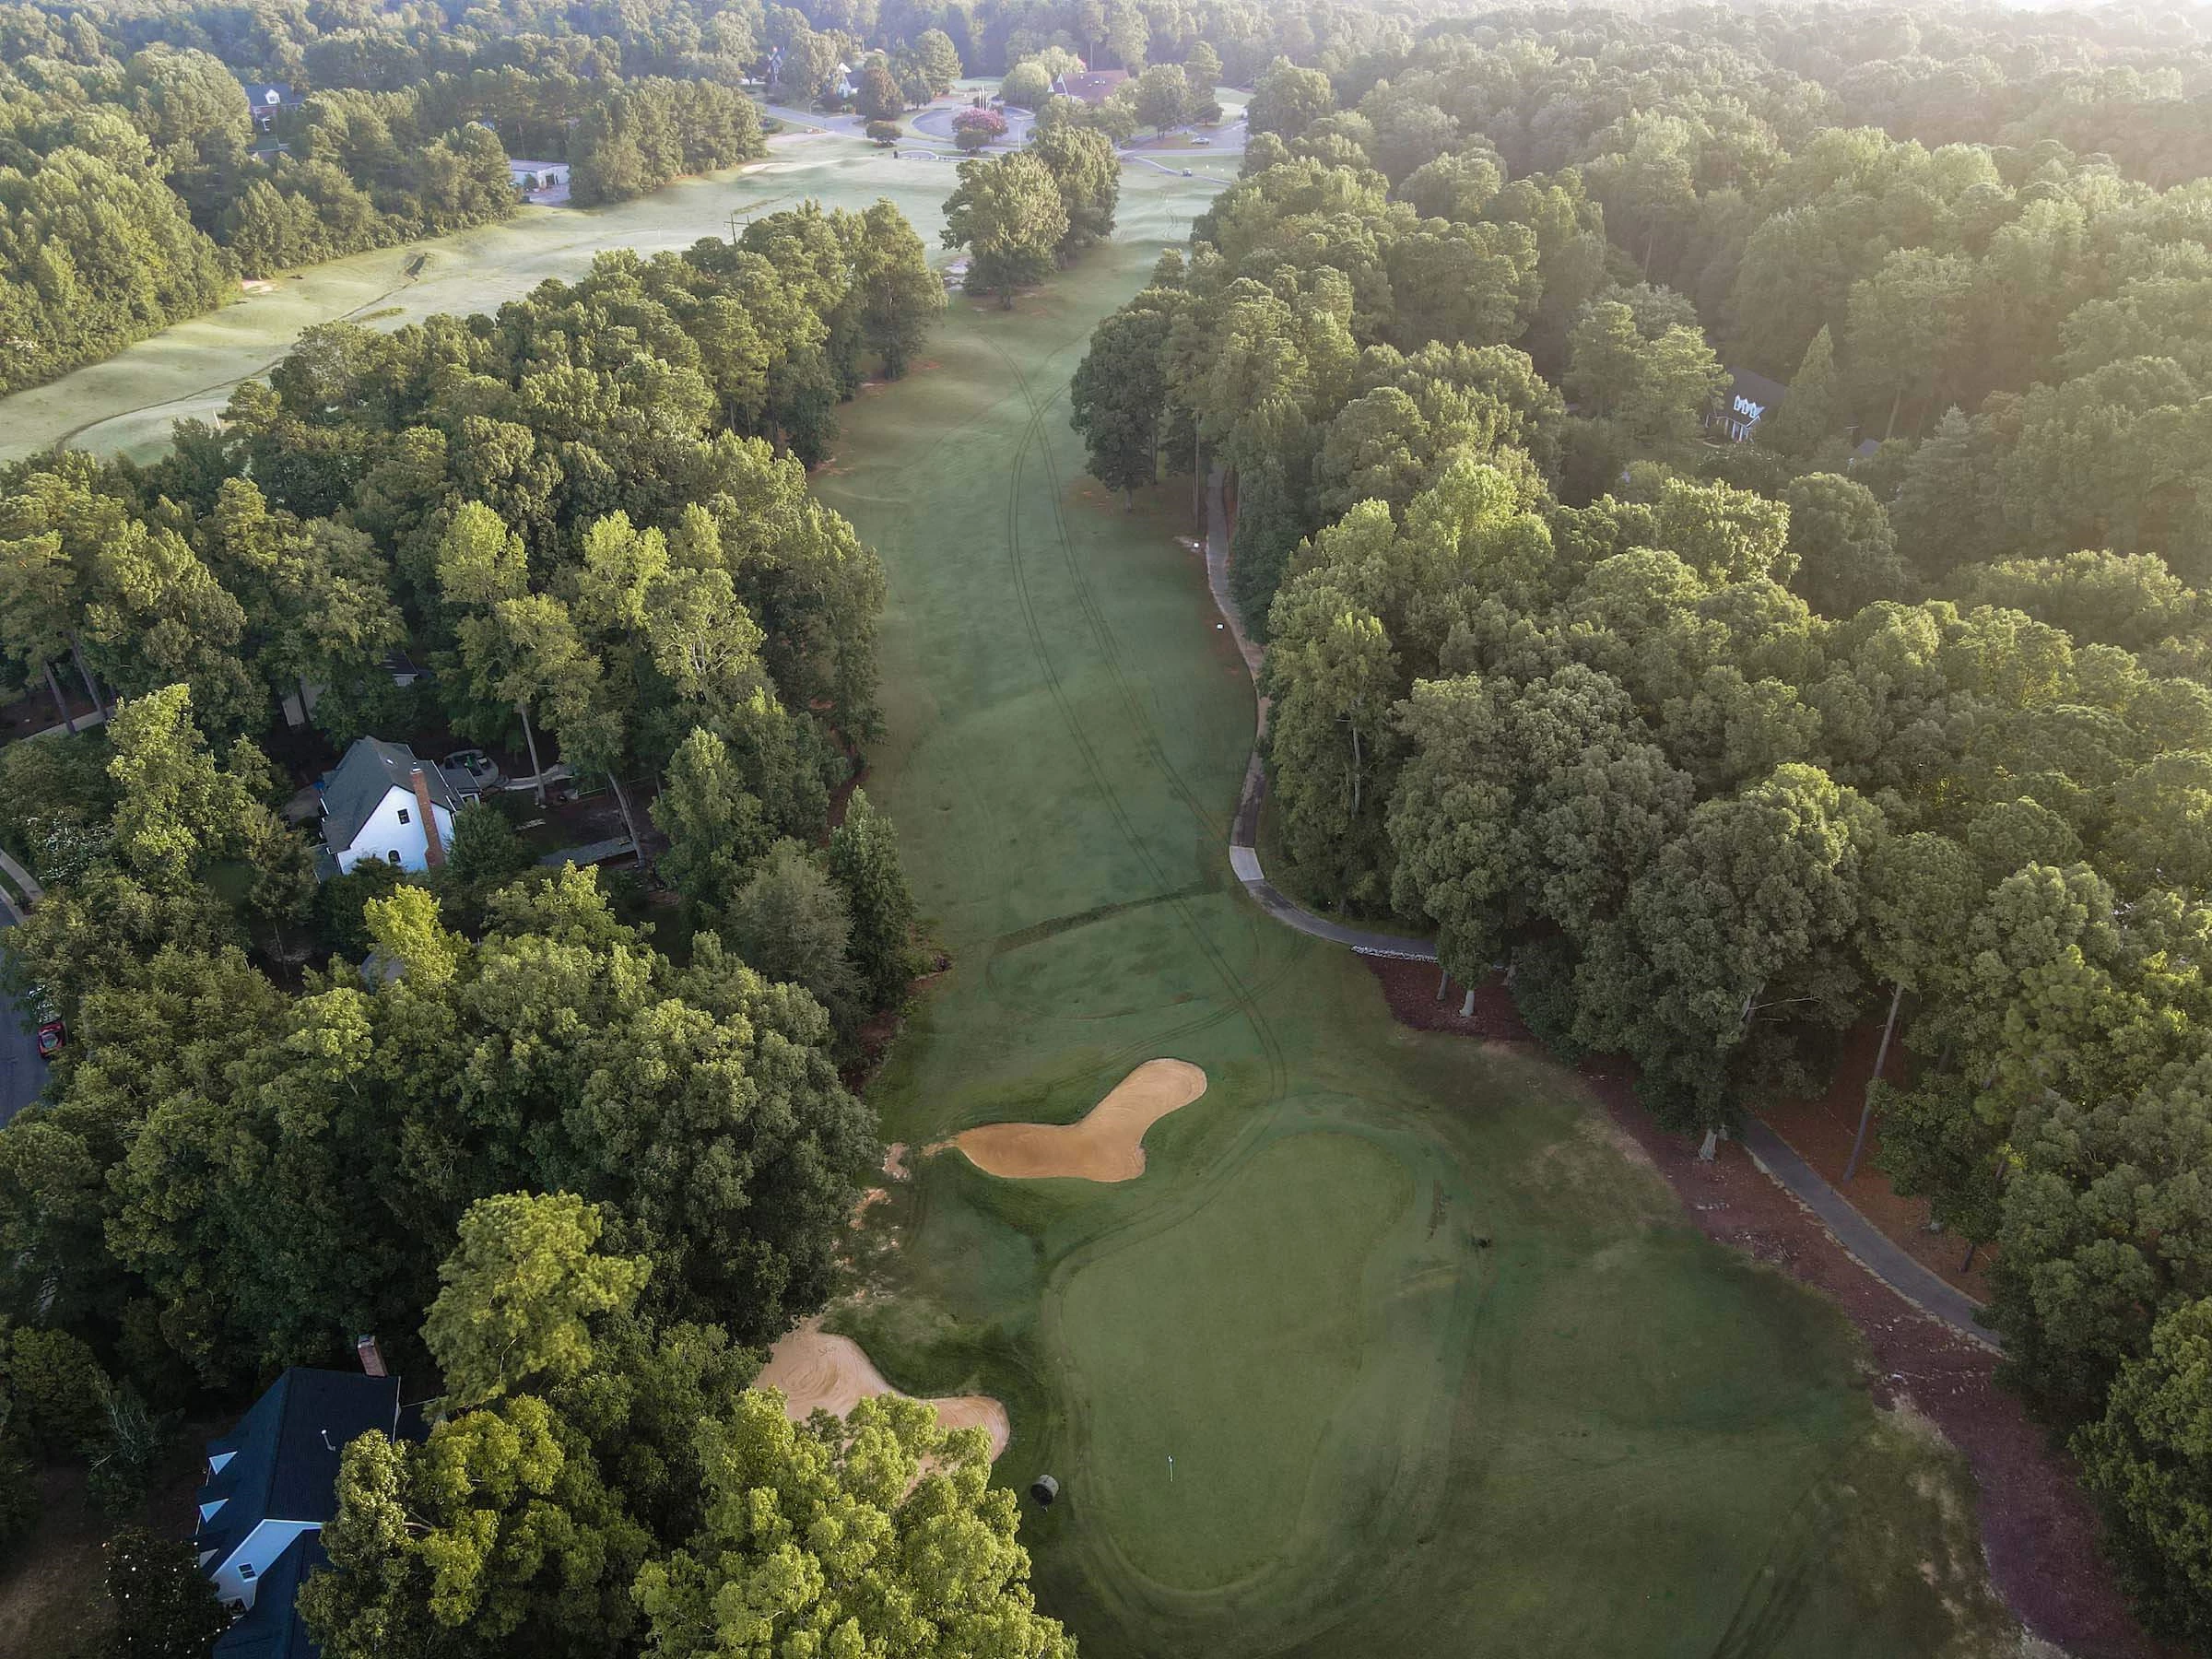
(1896, 709)
(138, 184)
(282, 1102)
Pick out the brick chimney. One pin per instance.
(433, 849)
(373, 1356)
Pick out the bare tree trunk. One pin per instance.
(1711, 1148)
(1355, 768)
(1968, 1265)
(537, 770)
(1858, 1144)
(61, 704)
(1444, 983)
(1467, 1007)
(1198, 479)
(1889, 431)
(77, 651)
(1128, 500)
(629, 824)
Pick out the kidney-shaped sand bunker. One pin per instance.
(1106, 1144)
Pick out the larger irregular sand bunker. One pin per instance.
(817, 1372)
(1106, 1145)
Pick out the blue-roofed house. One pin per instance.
(272, 1483)
(1748, 399)
(273, 1629)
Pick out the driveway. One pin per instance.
(22, 1073)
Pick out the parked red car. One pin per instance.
(52, 1036)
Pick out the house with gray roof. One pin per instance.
(271, 1484)
(382, 802)
(267, 100)
(1749, 399)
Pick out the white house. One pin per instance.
(271, 1484)
(267, 100)
(383, 803)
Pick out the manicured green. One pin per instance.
(1598, 1433)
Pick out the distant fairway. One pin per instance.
(128, 403)
(1598, 1435)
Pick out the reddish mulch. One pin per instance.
(1820, 1129)
(2040, 1531)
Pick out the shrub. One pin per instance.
(885, 132)
(972, 129)
(164, 1609)
(1027, 85)
(56, 1392)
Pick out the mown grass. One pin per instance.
(1441, 1370)
(128, 403)
(1595, 1434)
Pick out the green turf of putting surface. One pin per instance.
(1599, 1434)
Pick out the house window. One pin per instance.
(403, 816)
(246, 1572)
(393, 855)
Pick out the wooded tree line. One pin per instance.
(1721, 750)
(597, 1482)
(2099, 80)
(994, 36)
(1021, 215)
(588, 514)
(135, 185)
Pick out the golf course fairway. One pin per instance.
(1391, 1348)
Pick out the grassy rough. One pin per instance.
(1599, 1434)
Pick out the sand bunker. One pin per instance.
(1107, 1144)
(817, 1372)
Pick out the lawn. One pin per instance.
(1441, 1369)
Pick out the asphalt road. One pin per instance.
(22, 1073)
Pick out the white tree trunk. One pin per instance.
(77, 651)
(61, 703)
(537, 770)
(629, 824)
(1858, 1144)
(1711, 1148)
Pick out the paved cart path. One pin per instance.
(1865, 1241)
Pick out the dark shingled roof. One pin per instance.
(286, 1447)
(273, 1629)
(1768, 394)
(1093, 86)
(371, 770)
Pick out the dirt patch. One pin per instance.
(2039, 1532)
(817, 1372)
(1107, 1144)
